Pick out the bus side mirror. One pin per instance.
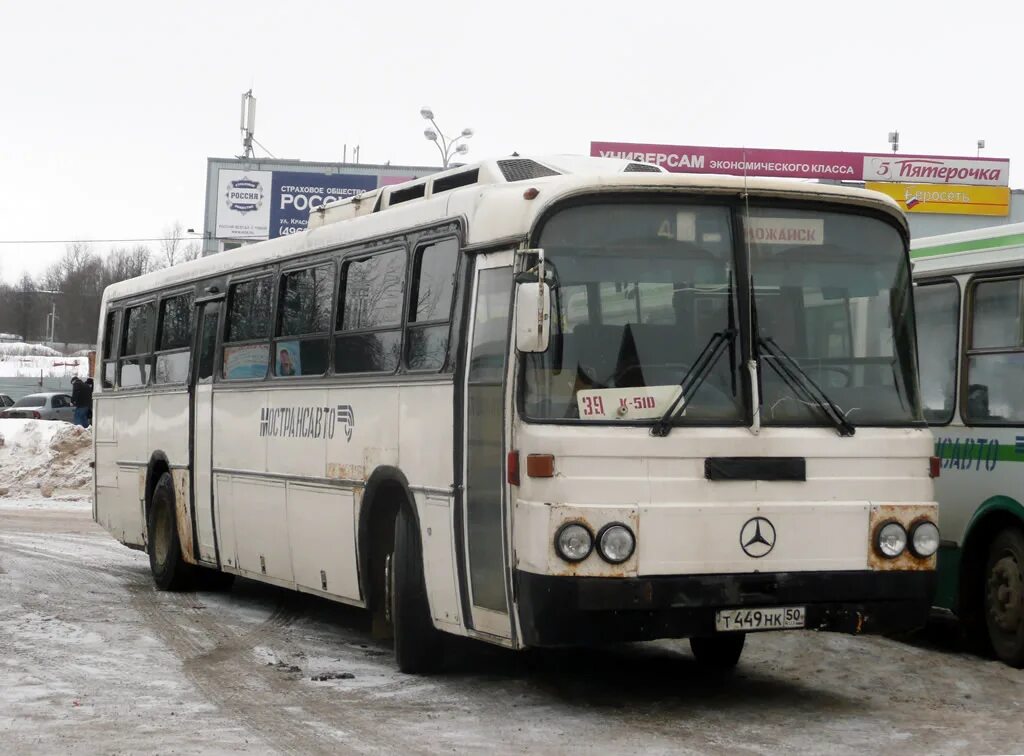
(533, 316)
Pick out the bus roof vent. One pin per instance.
(521, 169)
(641, 168)
(455, 180)
(416, 191)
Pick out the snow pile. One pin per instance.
(22, 349)
(44, 456)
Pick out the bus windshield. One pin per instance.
(640, 290)
(832, 295)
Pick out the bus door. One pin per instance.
(485, 500)
(201, 422)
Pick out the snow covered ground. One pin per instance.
(24, 349)
(94, 660)
(37, 360)
(43, 459)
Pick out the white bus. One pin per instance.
(538, 403)
(970, 299)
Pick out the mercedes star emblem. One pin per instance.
(757, 537)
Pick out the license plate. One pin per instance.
(749, 620)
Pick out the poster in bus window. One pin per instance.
(245, 361)
(288, 359)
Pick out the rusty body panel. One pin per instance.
(339, 471)
(907, 515)
(183, 514)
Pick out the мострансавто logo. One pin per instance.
(244, 195)
(307, 422)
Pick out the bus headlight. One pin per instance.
(890, 540)
(615, 543)
(573, 542)
(924, 539)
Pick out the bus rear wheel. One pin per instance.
(418, 644)
(1004, 596)
(170, 570)
(719, 652)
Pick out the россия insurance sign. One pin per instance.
(813, 164)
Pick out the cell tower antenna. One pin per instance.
(247, 123)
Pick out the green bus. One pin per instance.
(969, 299)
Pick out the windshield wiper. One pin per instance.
(701, 368)
(796, 378)
(694, 377)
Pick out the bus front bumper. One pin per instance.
(561, 611)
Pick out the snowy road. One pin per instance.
(93, 659)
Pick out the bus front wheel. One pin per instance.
(721, 652)
(170, 570)
(418, 644)
(1004, 596)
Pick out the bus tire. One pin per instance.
(1003, 596)
(170, 570)
(418, 644)
(719, 652)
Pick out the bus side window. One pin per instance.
(246, 346)
(937, 309)
(174, 339)
(430, 310)
(304, 321)
(995, 358)
(137, 344)
(371, 296)
(110, 332)
(208, 344)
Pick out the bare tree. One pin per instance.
(122, 263)
(170, 246)
(174, 248)
(190, 251)
(77, 281)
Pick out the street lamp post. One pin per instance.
(447, 147)
(50, 329)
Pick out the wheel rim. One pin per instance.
(162, 535)
(1003, 594)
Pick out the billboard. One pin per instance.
(934, 169)
(947, 199)
(243, 211)
(251, 199)
(294, 194)
(261, 204)
(812, 164)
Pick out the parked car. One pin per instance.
(5, 401)
(51, 406)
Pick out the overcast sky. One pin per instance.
(108, 110)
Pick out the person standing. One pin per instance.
(80, 402)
